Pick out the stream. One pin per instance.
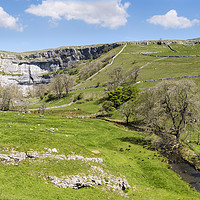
(188, 173)
(185, 170)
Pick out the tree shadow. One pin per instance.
(133, 126)
(135, 140)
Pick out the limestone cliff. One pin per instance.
(26, 69)
(29, 68)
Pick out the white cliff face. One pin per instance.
(26, 69)
(14, 71)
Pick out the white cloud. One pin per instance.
(110, 13)
(171, 20)
(8, 21)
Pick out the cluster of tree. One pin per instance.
(8, 95)
(119, 96)
(60, 84)
(58, 87)
(168, 110)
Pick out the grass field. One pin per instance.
(146, 171)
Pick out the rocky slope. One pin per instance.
(28, 68)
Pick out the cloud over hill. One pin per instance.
(172, 20)
(111, 13)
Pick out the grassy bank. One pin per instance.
(122, 150)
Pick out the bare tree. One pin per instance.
(135, 74)
(24, 106)
(68, 82)
(40, 90)
(42, 108)
(8, 94)
(132, 74)
(116, 77)
(170, 109)
(57, 85)
(127, 110)
(61, 83)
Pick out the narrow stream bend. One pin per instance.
(185, 170)
(188, 173)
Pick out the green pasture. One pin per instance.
(170, 67)
(157, 67)
(147, 172)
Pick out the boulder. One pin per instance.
(18, 156)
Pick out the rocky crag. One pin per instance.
(30, 68)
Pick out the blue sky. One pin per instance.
(27, 25)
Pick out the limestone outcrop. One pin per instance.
(26, 69)
(33, 67)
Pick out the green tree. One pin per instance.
(121, 95)
(108, 106)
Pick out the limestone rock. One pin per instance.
(78, 157)
(54, 150)
(13, 156)
(59, 157)
(97, 177)
(32, 154)
(4, 157)
(18, 156)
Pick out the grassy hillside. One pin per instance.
(157, 67)
(123, 153)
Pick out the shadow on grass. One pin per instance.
(133, 126)
(135, 140)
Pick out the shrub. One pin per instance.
(78, 97)
(122, 95)
(46, 93)
(51, 97)
(41, 97)
(108, 106)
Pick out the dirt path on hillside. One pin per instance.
(103, 67)
(53, 107)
